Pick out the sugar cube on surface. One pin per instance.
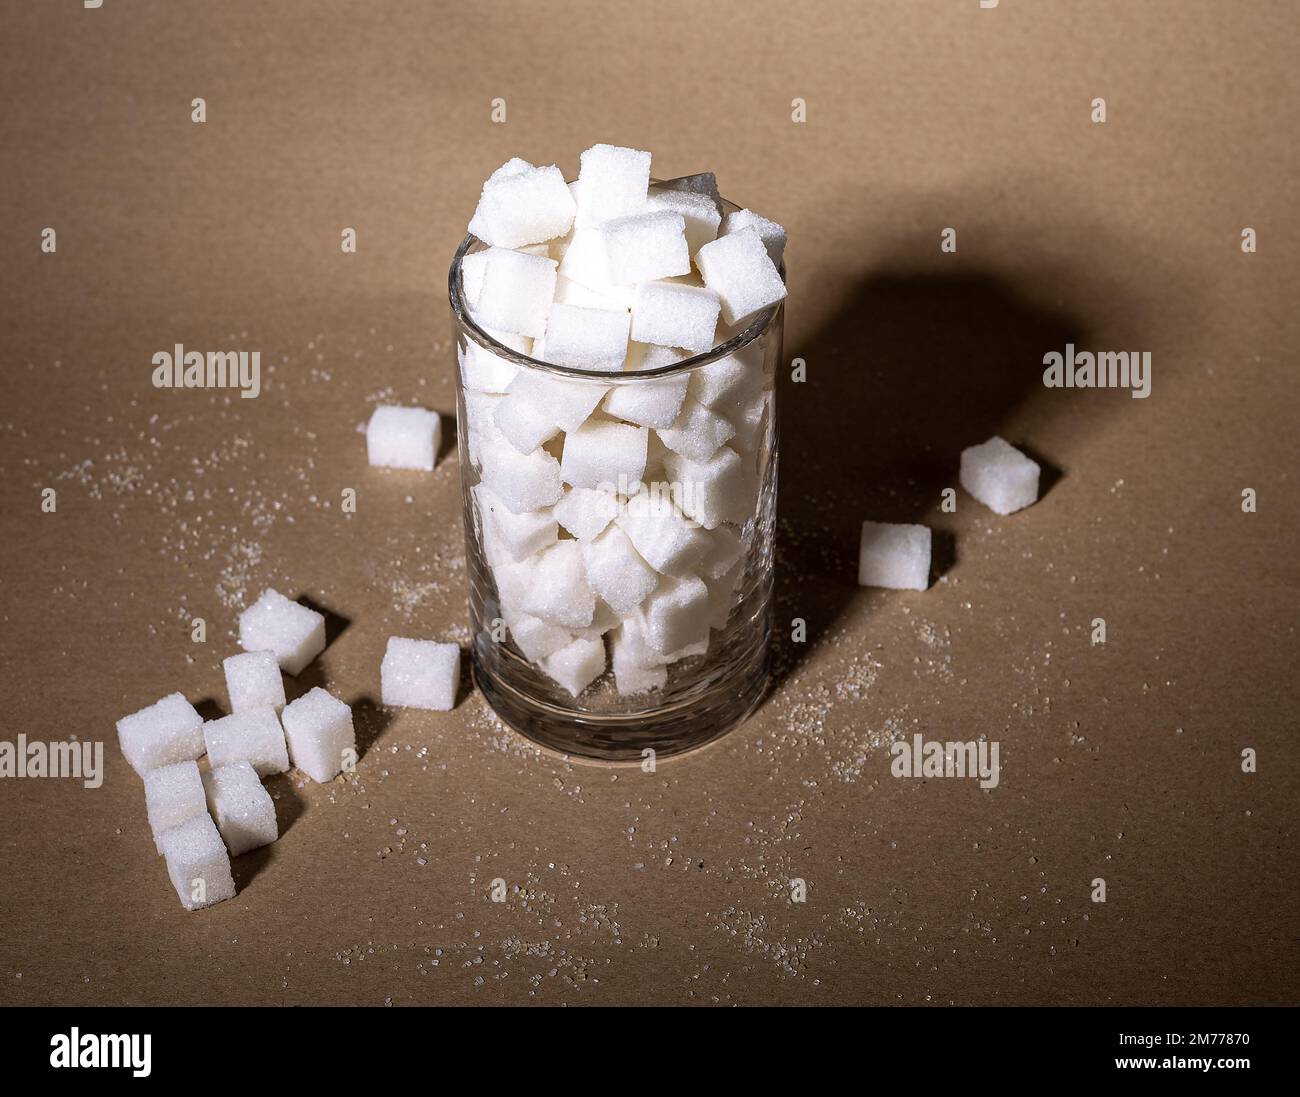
(168, 731)
(676, 615)
(739, 270)
(637, 669)
(558, 592)
(420, 674)
(697, 432)
(320, 734)
(772, 234)
(522, 534)
(722, 489)
(524, 206)
(663, 538)
(523, 423)
(198, 863)
(894, 555)
(648, 403)
(253, 736)
(999, 476)
(296, 633)
(612, 182)
(587, 338)
(576, 666)
(616, 572)
(604, 454)
(403, 438)
(585, 512)
(535, 637)
(243, 809)
(516, 293)
(523, 482)
(253, 680)
(645, 247)
(699, 211)
(673, 315)
(565, 402)
(172, 794)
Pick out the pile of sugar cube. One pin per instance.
(615, 512)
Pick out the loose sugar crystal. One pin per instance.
(516, 293)
(559, 592)
(535, 637)
(739, 270)
(636, 668)
(722, 489)
(522, 534)
(242, 808)
(587, 338)
(253, 680)
(999, 476)
(676, 615)
(646, 246)
(772, 234)
(576, 666)
(604, 454)
(172, 794)
(659, 533)
(894, 556)
(524, 424)
(403, 438)
(254, 736)
(420, 674)
(168, 731)
(319, 730)
(585, 512)
(566, 403)
(648, 403)
(198, 863)
(699, 211)
(612, 182)
(697, 432)
(673, 315)
(616, 572)
(296, 633)
(525, 206)
(523, 482)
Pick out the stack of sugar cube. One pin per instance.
(201, 817)
(615, 517)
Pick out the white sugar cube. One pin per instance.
(725, 547)
(243, 809)
(566, 403)
(198, 863)
(168, 731)
(420, 674)
(616, 572)
(602, 621)
(636, 668)
(172, 794)
(296, 633)
(403, 438)
(558, 592)
(722, 596)
(479, 427)
(738, 269)
(587, 338)
(699, 211)
(648, 403)
(730, 383)
(604, 454)
(522, 534)
(704, 182)
(676, 616)
(483, 371)
(525, 206)
(722, 489)
(576, 666)
(254, 736)
(585, 264)
(569, 292)
(473, 264)
(612, 182)
(524, 424)
(894, 555)
(322, 742)
(674, 315)
(523, 482)
(999, 476)
(750, 423)
(697, 432)
(585, 512)
(659, 533)
(535, 637)
(645, 247)
(772, 234)
(516, 293)
(253, 680)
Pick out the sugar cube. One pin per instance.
(564, 402)
(322, 742)
(403, 438)
(243, 809)
(602, 621)
(198, 863)
(704, 182)
(172, 794)
(586, 264)
(479, 425)
(750, 423)
(576, 666)
(612, 182)
(524, 424)
(535, 637)
(699, 211)
(725, 547)
(636, 669)
(516, 293)
(674, 315)
(571, 292)
(648, 403)
(587, 338)
(472, 266)
(168, 731)
(729, 383)
(722, 489)
(697, 432)
(525, 206)
(615, 571)
(420, 674)
(523, 482)
(772, 234)
(559, 593)
(484, 371)
(738, 269)
(894, 555)
(522, 534)
(253, 680)
(585, 512)
(722, 595)
(645, 246)
(296, 633)
(604, 454)
(659, 533)
(254, 736)
(999, 476)
(676, 615)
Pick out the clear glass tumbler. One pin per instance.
(709, 526)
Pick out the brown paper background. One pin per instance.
(1119, 761)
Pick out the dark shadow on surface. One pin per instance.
(369, 719)
(209, 708)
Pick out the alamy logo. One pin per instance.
(86, 1049)
(1107, 369)
(938, 759)
(217, 369)
(82, 761)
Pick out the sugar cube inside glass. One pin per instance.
(577, 665)
(612, 182)
(516, 293)
(645, 247)
(673, 315)
(738, 268)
